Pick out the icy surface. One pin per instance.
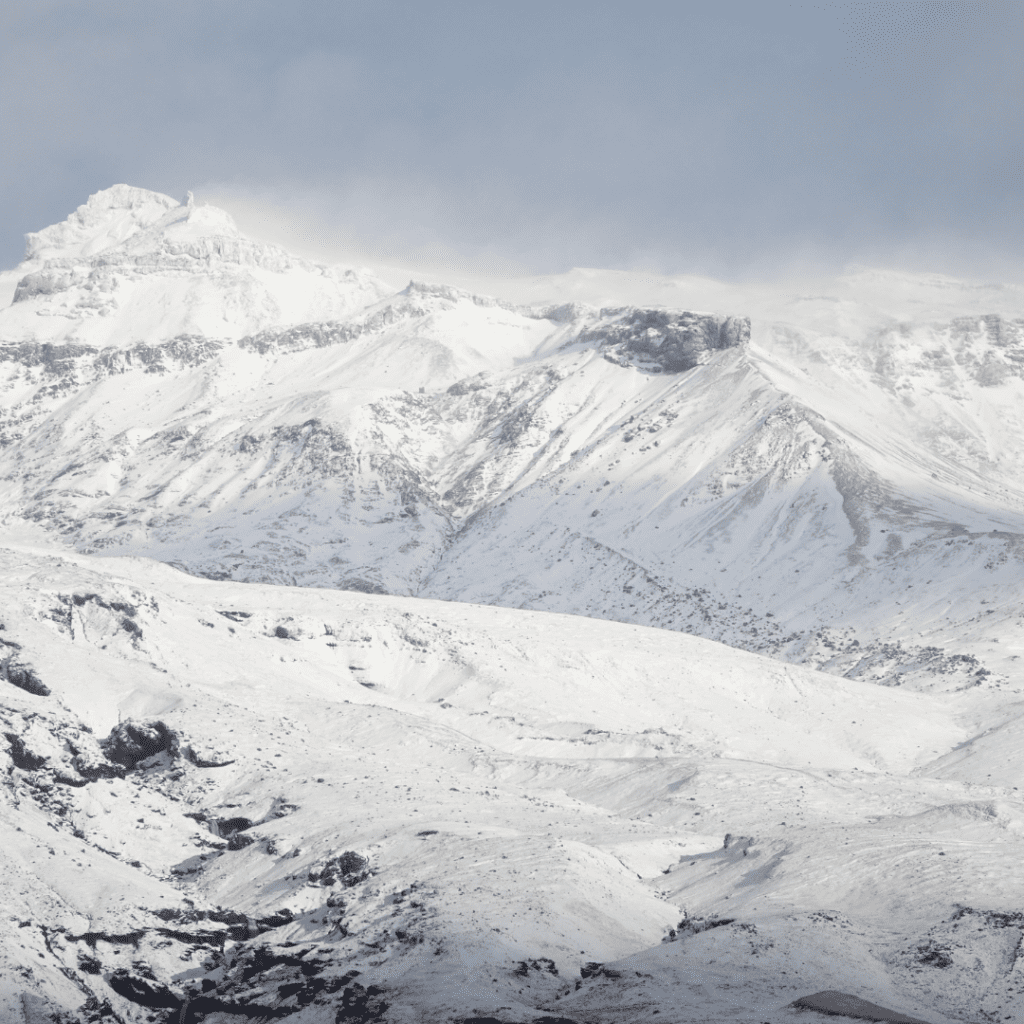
(804, 780)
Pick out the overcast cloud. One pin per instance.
(727, 138)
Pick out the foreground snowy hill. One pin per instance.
(261, 802)
(833, 484)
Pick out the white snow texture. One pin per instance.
(578, 655)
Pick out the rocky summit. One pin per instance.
(414, 655)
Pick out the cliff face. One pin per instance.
(667, 341)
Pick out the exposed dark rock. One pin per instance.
(55, 359)
(360, 1004)
(90, 763)
(88, 964)
(22, 675)
(239, 841)
(737, 842)
(671, 341)
(117, 606)
(933, 954)
(143, 970)
(303, 336)
(595, 970)
(239, 926)
(264, 958)
(68, 779)
(228, 825)
(184, 350)
(130, 742)
(96, 1011)
(349, 867)
(214, 939)
(468, 385)
(543, 963)
(168, 913)
(840, 1004)
(112, 938)
(131, 627)
(696, 925)
(991, 918)
(222, 916)
(205, 762)
(276, 920)
(24, 758)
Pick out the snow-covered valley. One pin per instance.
(534, 661)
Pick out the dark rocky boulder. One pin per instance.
(349, 867)
(130, 742)
(225, 826)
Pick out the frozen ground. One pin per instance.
(541, 814)
(291, 552)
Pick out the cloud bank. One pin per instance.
(735, 140)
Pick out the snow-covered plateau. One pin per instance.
(616, 649)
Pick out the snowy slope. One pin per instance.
(475, 809)
(836, 485)
(488, 807)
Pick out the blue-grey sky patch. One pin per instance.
(734, 139)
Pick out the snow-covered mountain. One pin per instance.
(833, 479)
(843, 489)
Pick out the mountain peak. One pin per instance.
(188, 223)
(136, 218)
(109, 217)
(130, 264)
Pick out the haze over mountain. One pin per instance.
(816, 500)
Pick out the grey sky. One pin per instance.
(729, 138)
